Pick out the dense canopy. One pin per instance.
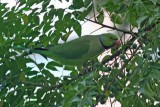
(128, 74)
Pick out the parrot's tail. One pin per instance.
(44, 47)
(21, 49)
(40, 49)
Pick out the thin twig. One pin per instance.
(114, 28)
(110, 102)
(94, 13)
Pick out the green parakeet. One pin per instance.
(79, 51)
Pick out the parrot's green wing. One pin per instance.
(72, 50)
(75, 52)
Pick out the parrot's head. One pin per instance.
(109, 40)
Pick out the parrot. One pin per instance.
(79, 51)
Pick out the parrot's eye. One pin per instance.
(112, 38)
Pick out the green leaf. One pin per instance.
(148, 92)
(154, 65)
(47, 73)
(45, 4)
(106, 58)
(36, 20)
(52, 64)
(32, 73)
(69, 68)
(41, 66)
(46, 27)
(110, 6)
(67, 17)
(22, 77)
(139, 60)
(77, 27)
(77, 4)
(87, 2)
(65, 37)
(141, 19)
(83, 14)
(116, 18)
(100, 17)
(40, 93)
(154, 1)
(25, 19)
(155, 74)
(60, 13)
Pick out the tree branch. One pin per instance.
(42, 85)
(113, 28)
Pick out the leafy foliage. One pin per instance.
(130, 74)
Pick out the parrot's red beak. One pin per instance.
(117, 43)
